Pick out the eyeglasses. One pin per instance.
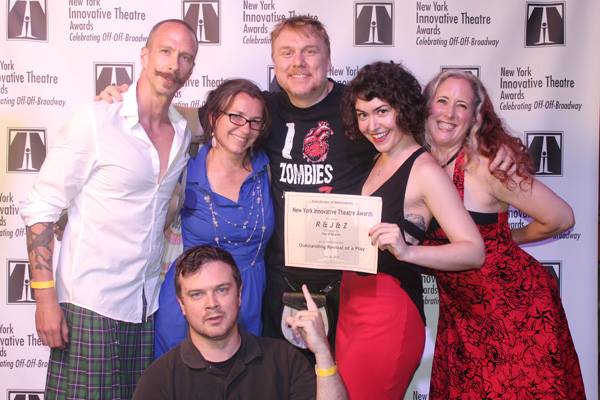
(240, 120)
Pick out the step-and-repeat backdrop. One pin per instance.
(539, 60)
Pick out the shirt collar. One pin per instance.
(129, 110)
(197, 172)
(249, 350)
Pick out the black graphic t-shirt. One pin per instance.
(309, 152)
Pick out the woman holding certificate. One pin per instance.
(227, 202)
(381, 329)
(502, 330)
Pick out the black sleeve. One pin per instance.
(302, 377)
(152, 385)
(201, 117)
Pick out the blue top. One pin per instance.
(196, 218)
(238, 230)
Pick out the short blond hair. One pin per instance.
(304, 23)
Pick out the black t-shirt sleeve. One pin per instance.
(201, 113)
(302, 377)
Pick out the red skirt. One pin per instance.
(380, 337)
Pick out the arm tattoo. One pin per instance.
(40, 245)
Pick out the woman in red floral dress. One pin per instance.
(502, 330)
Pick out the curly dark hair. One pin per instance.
(192, 261)
(487, 134)
(218, 101)
(393, 84)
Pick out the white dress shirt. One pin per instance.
(105, 170)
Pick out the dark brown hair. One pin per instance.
(219, 100)
(192, 261)
(392, 83)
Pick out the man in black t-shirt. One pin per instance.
(308, 152)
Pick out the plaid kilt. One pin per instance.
(103, 359)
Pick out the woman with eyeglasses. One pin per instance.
(227, 203)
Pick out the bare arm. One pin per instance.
(551, 214)
(49, 318)
(66, 168)
(193, 121)
(309, 324)
(465, 250)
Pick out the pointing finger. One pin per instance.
(310, 303)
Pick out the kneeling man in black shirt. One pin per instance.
(220, 361)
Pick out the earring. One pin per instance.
(213, 141)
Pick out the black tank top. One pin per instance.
(392, 193)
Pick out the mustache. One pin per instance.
(172, 77)
(213, 315)
(300, 71)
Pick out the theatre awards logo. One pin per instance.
(545, 24)
(203, 16)
(27, 20)
(374, 24)
(26, 149)
(554, 268)
(471, 69)
(19, 282)
(112, 74)
(272, 80)
(25, 395)
(545, 149)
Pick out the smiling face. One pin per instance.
(377, 122)
(232, 138)
(210, 300)
(302, 62)
(168, 59)
(451, 113)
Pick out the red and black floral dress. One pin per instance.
(502, 331)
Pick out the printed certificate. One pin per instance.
(331, 231)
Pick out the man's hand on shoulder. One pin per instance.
(112, 93)
(504, 161)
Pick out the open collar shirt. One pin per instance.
(104, 170)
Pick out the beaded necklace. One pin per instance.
(254, 216)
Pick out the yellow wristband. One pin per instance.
(42, 285)
(326, 371)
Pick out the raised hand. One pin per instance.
(309, 325)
